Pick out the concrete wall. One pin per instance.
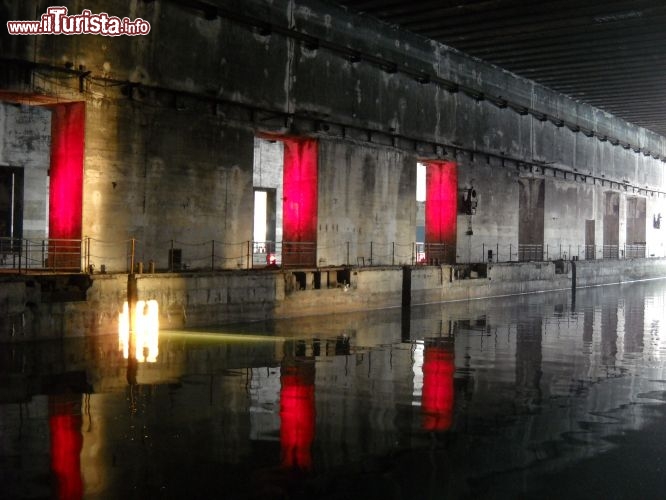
(172, 117)
(79, 305)
(432, 284)
(161, 175)
(592, 273)
(367, 199)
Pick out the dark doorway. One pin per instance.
(11, 208)
(590, 250)
(530, 223)
(611, 225)
(636, 226)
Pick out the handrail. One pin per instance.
(134, 255)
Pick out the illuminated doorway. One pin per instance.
(285, 169)
(41, 183)
(420, 213)
(265, 227)
(267, 180)
(437, 196)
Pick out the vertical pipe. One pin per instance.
(483, 252)
(347, 253)
(371, 253)
(393, 253)
(133, 243)
(212, 256)
(88, 252)
(171, 258)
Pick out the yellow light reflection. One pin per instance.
(218, 336)
(144, 332)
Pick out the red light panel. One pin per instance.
(66, 182)
(300, 199)
(441, 205)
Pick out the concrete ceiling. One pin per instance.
(608, 53)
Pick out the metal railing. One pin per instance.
(134, 255)
(42, 254)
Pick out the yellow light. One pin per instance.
(144, 331)
(124, 331)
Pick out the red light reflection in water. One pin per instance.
(297, 415)
(300, 199)
(66, 443)
(438, 394)
(441, 207)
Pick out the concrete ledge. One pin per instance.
(204, 299)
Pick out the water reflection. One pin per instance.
(438, 394)
(472, 399)
(65, 424)
(297, 413)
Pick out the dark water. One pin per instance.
(518, 397)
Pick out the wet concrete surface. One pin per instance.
(536, 396)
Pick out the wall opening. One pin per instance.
(66, 185)
(611, 225)
(286, 169)
(636, 227)
(265, 228)
(420, 212)
(300, 187)
(267, 177)
(42, 148)
(441, 212)
(530, 219)
(11, 209)
(590, 247)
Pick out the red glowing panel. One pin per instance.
(438, 394)
(66, 443)
(441, 205)
(297, 417)
(66, 173)
(300, 200)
